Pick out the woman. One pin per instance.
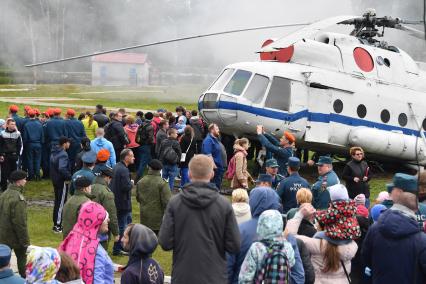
(141, 242)
(83, 246)
(306, 227)
(85, 147)
(90, 126)
(131, 129)
(241, 176)
(240, 205)
(188, 147)
(42, 265)
(333, 248)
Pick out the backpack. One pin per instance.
(142, 135)
(170, 156)
(198, 129)
(230, 171)
(275, 266)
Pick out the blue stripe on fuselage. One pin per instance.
(313, 116)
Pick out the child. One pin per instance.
(240, 204)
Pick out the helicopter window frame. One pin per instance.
(274, 98)
(402, 119)
(385, 116)
(361, 111)
(338, 106)
(258, 97)
(240, 84)
(223, 79)
(424, 124)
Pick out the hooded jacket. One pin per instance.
(391, 248)
(200, 227)
(131, 131)
(141, 268)
(101, 143)
(59, 166)
(241, 211)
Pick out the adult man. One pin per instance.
(213, 147)
(262, 198)
(101, 143)
(88, 159)
(199, 248)
(395, 247)
(153, 194)
(161, 135)
(13, 221)
(10, 151)
(264, 180)
(55, 128)
(169, 155)
(6, 273)
(60, 174)
(121, 185)
(357, 174)
(145, 138)
(282, 149)
(116, 134)
(33, 138)
(288, 188)
(100, 117)
(76, 132)
(327, 177)
(72, 207)
(272, 167)
(101, 160)
(104, 196)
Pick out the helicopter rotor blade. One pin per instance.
(411, 31)
(165, 42)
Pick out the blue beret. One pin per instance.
(89, 157)
(293, 162)
(271, 163)
(264, 178)
(5, 255)
(324, 160)
(407, 183)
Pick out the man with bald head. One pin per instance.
(200, 227)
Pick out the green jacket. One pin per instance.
(71, 209)
(153, 194)
(105, 197)
(13, 220)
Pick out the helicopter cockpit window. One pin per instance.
(279, 94)
(222, 79)
(238, 82)
(256, 89)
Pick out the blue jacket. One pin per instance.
(321, 196)
(104, 268)
(8, 277)
(288, 188)
(33, 132)
(281, 154)
(261, 199)
(82, 172)
(212, 147)
(59, 166)
(75, 130)
(19, 120)
(101, 143)
(391, 248)
(55, 128)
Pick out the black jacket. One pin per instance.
(11, 144)
(357, 263)
(200, 227)
(167, 143)
(121, 185)
(306, 228)
(59, 166)
(115, 133)
(356, 169)
(161, 136)
(101, 119)
(307, 263)
(189, 147)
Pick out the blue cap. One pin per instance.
(161, 110)
(264, 178)
(5, 255)
(89, 157)
(324, 160)
(271, 163)
(293, 162)
(406, 183)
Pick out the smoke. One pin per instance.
(40, 30)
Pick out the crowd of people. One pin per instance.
(277, 228)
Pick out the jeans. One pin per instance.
(33, 154)
(184, 177)
(144, 158)
(218, 176)
(124, 218)
(170, 172)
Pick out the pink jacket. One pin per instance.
(131, 131)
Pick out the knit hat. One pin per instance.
(5, 255)
(383, 195)
(360, 199)
(376, 210)
(362, 211)
(103, 155)
(290, 137)
(338, 192)
(13, 108)
(42, 265)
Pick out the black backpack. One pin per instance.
(170, 156)
(142, 135)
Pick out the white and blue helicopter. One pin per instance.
(331, 90)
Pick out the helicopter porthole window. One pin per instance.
(387, 62)
(361, 110)
(424, 124)
(363, 59)
(385, 116)
(380, 60)
(338, 106)
(402, 119)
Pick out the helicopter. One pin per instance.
(331, 90)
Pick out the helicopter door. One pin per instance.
(317, 128)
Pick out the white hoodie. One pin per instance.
(242, 212)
